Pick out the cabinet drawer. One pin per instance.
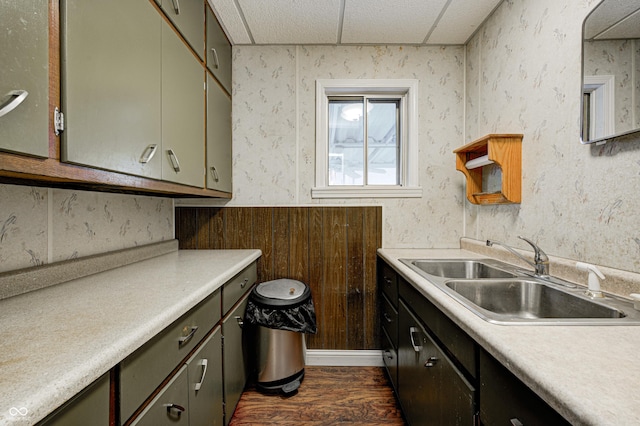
(236, 287)
(388, 282)
(389, 321)
(504, 398)
(160, 411)
(390, 359)
(454, 339)
(91, 406)
(145, 369)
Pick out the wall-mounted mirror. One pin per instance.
(611, 71)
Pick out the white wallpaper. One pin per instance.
(523, 76)
(274, 130)
(39, 225)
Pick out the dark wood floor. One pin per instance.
(327, 396)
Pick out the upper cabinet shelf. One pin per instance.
(504, 150)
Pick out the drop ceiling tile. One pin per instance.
(460, 21)
(292, 21)
(604, 17)
(627, 28)
(231, 21)
(389, 22)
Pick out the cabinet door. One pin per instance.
(218, 51)
(182, 112)
(170, 406)
(205, 383)
(218, 137)
(24, 76)
(504, 399)
(111, 85)
(91, 406)
(234, 355)
(431, 389)
(188, 18)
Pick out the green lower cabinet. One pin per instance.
(170, 406)
(89, 407)
(236, 366)
(205, 383)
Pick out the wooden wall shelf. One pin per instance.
(504, 150)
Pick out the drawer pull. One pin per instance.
(244, 283)
(173, 158)
(516, 422)
(214, 174)
(387, 280)
(387, 318)
(388, 354)
(431, 361)
(179, 408)
(412, 332)
(240, 321)
(204, 364)
(185, 339)
(176, 6)
(216, 62)
(148, 153)
(16, 98)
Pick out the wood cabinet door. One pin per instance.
(111, 85)
(218, 52)
(182, 112)
(24, 77)
(219, 161)
(430, 388)
(205, 383)
(188, 18)
(236, 366)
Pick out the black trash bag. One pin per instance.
(298, 315)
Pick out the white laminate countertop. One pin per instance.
(589, 374)
(58, 340)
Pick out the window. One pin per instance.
(366, 139)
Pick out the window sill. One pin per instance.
(367, 192)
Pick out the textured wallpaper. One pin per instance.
(523, 76)
(274, 130)
(39, 225)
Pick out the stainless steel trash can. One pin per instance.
(283, 311)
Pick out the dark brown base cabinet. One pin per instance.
(440, 375)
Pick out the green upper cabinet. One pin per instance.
(111, 58)
(188, 17)
(24, 76)
(218, 52)
(218, 137)
(182, 112)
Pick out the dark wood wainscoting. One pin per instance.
(332, 249)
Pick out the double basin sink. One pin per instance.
(503, 294)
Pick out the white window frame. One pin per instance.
(408, 88)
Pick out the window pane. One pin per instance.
(382, 143)
(346, 142)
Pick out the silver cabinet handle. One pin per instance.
(244, 283)
(148, 153)
(185, 339)
(174, 160)
(177, 407)
(516, 422)
(216, 62)
(214, 173)
(431, 361)
(240, 321)
(387, 318)
(412, 332)
(204, 362)
(388, 354)
(16, 97)
(176, 6)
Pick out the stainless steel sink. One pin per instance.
(461, 268)
(527, 299)
(503, 294)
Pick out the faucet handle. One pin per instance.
(540, 256)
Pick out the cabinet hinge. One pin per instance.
(58, 121)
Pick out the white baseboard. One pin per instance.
(336, 358)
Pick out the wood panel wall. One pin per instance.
(332, 249)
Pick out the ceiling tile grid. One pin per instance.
(359, 22)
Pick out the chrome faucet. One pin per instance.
(540, 259)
